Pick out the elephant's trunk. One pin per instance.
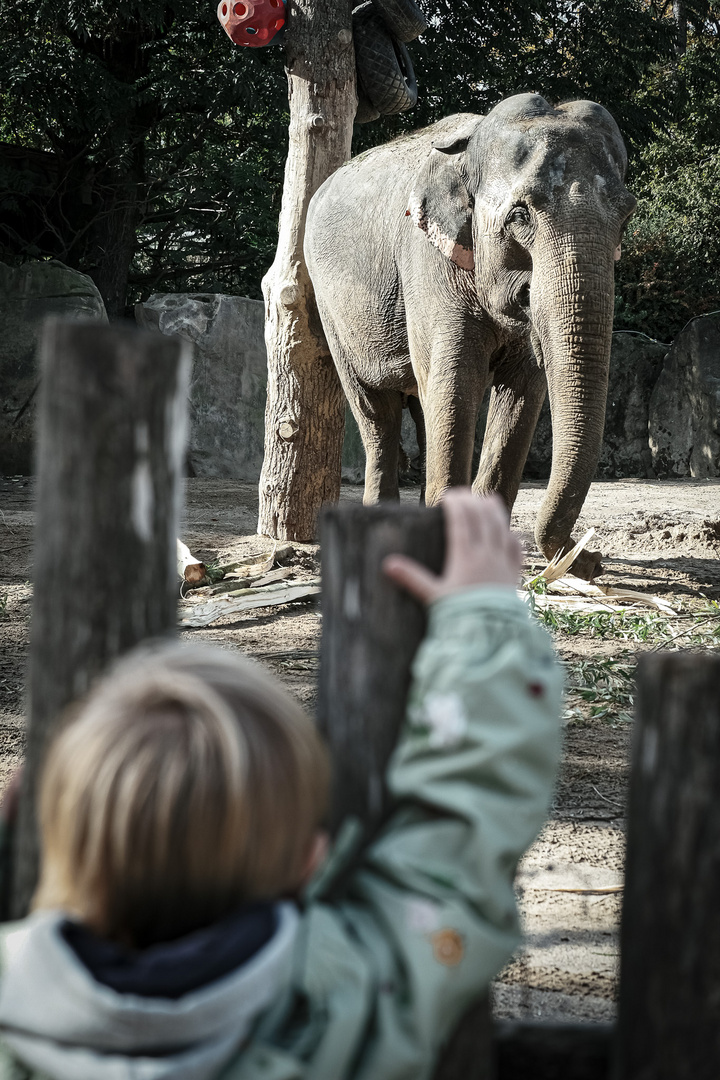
(571, 303)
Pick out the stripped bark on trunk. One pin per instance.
(305, 413)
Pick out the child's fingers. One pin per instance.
(410, 575)
(495, 520)
(515, 550)
(458, 520)
(475, 520)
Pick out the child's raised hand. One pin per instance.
(481, 550)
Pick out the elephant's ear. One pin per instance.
(440, 203)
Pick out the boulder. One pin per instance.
(685, 404)
(635, 364)
(228, 386)
(28, 294)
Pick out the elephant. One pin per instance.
(478, 252)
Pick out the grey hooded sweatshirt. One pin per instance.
(60, 1021)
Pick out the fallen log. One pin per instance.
(202, 614)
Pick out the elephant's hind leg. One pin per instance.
(516, 399)
(378, 414)
(418, 418)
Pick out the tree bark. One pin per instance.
(371, 632)
(305, 413)
(113, 235)
(113, 420)
(542, 1050)
(669, 1013)
(681, 27)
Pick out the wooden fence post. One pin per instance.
(371, 631)
(111, 445)
(669, 1012)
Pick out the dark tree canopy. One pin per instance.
(162, 144)
(139, 145)
(670, 271)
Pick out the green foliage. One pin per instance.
(702, 629)
(670, 270)
(600, 690)
(625, 625)
(148, 135)
(473, 55)
(603, 689)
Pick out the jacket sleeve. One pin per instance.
(473, 774)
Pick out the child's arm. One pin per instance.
(472, 775)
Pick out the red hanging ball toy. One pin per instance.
(252, 22)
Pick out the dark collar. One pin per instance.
(174, 968)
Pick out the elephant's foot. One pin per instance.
(588, 565)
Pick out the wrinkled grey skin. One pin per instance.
(478, 252)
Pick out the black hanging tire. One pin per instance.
(403, 18)
(366, 112)
(385, 71)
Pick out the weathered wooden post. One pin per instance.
(669, 1013)
(111, 444)
(371, 631)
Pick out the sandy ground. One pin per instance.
(662, 537)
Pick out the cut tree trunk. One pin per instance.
(111, 447)
(371, 632)
(669, 1009)
(305, 413)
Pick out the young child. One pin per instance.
(181, 815)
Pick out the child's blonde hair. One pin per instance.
(188, 783)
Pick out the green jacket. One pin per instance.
(374, 981)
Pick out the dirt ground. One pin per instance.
(661, 537)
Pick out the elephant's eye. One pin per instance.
(519, 215)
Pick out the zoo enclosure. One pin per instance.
(111, 448)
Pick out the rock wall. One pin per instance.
(28, 294)
(227, 390)
(684, 434)
(635, 364)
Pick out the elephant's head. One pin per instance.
(532, 197)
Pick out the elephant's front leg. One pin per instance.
(517, 397)
(450, 400)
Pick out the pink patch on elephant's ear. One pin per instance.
(457, 253)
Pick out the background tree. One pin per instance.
(305, 413)
(670, 270)
(153, 144)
